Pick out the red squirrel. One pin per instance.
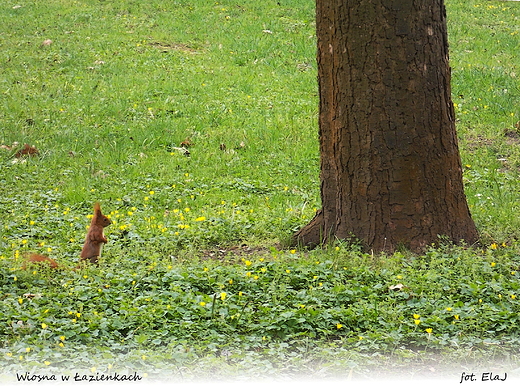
(95, 237)
(91, 249)
(35, 258)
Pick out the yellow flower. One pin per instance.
(493, 264)
(293, 251)
(339, 325)
(223, 295)
(202, 304)
(513, 296)
(61, 344)
(247, 263)
(494, 246)
(230, 281)
(457, 317)
(201, 218)
(417, 322)
(28, 349)
(44, 326)
(47, 363)
(20, 300)
(429, 330)
(288, 270)
(416, 316)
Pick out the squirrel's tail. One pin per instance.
(35, 258)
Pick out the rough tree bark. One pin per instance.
(390, 167)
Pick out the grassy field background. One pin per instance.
(196, 279)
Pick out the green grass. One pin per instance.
(108, 102)
(484, 56)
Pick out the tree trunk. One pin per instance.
(390, 167)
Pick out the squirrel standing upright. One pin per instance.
(95, 237)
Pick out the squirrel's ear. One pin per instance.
(97, 207)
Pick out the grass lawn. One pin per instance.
(196, 280)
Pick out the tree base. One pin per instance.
(311, 235)
(314, 235)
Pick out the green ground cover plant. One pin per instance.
(197, 278)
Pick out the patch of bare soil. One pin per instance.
(165, 47)
(475, 142)
(235, 253)
(513, 135)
